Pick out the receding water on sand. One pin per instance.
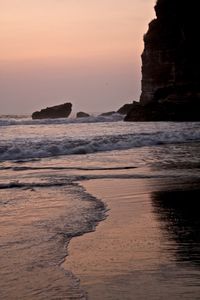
(36, 226)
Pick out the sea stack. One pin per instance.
(54, 112)
(170, 65)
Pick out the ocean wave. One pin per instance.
(17, 184)
(22, 149)
(74, 179)
(24, 168)
(34, 185)
(28, 121)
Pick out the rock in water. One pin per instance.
(54, 112)
(171, 64)
(106, 114)
(82, 114)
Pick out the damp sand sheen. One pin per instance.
(128, 256)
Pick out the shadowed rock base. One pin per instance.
(167, 111)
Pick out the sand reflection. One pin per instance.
(147, 245)
(178, 214)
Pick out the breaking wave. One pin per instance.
(28, 121)
(40, 148)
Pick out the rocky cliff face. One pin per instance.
(171, 63)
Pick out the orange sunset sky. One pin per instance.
(83, 51)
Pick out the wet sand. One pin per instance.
(130, 255)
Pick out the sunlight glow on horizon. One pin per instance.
(100, 36)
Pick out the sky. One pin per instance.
(87, 52)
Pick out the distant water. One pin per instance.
(43, 207)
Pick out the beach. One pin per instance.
(89, 209)
(130, 254)
(99, 150)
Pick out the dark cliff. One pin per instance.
(170, 65)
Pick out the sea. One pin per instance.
(43, 204)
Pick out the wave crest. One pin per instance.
(41, 148)
(28, 121)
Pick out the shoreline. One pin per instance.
(81, 249)
(122, 257)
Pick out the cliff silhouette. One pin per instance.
(170, 65)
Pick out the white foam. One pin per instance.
(92, 119)
(43, 147)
